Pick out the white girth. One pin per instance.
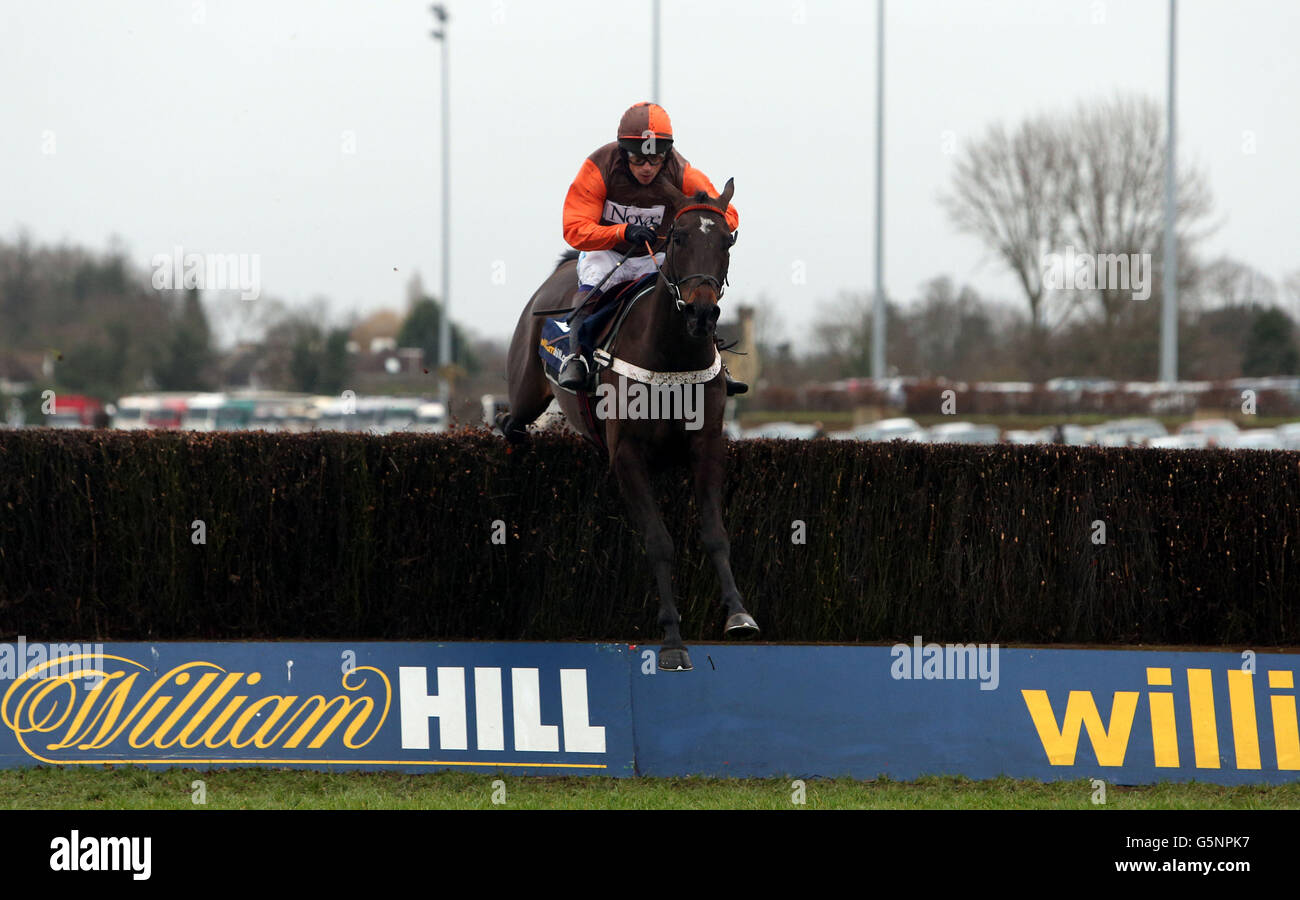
(645, 376)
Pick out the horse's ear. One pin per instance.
(725, 197)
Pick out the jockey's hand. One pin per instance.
(636, 235)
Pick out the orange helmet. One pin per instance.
(645, 128)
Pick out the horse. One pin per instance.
(670, 332)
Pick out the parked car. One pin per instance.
(1076, 435)
(1178, 442)
(899, 429)
(964, 433)
(784, 431)
(1022, 436)
(1289, 435)
(1128, 432)
(430, 418)
(1255, 439)
(1216, 432)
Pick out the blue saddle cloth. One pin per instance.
(554, 345)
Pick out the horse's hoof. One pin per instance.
(674, 660)
(741, 625)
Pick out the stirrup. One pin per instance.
(570, 382)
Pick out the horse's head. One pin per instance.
(695, 264)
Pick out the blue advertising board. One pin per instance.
(549, 708)
(1129, 717)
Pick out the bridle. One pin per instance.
(675, 285)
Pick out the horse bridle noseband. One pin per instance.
(675, 287)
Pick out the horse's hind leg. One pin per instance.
(707, 455)
(634, 481)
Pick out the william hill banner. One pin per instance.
(1129, 717)
(545, 707)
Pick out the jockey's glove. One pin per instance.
(637, 235)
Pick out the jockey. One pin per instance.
(614, 206)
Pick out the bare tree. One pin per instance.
(1291, 293)
(1227, 283)
(1008, 191)
(1091, 182)
(1116, 198)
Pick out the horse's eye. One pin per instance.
(679, 239)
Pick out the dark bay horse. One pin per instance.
(670, 333)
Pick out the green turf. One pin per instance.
(138, 788)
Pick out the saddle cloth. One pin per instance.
(554, 345)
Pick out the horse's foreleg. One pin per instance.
(530, 392)
(527, 402)
(707, 456)
(634, 481)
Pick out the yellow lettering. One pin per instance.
(1205, 734)
(227, 685)
(1164, 732)
(1286, 736)
(113, 707)
(170, 722)
(134, 738)
(109, 711)
(75, 730)
(1245, 726)
(282, 704)
(1109, 743)
(321, 705)
(235, 702)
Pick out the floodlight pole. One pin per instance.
(654, 60)
(878, 304)
(444, 325)
(1169, 320)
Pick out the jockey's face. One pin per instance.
(647, 170)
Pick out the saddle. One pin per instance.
(598, 330)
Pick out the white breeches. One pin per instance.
(594, 265)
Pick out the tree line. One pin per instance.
(78, 321)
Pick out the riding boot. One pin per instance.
(733, 386)
(575, 373)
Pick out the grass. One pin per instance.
(259, 788)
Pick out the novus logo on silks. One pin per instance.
(619, 214)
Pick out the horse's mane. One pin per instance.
(566, 256)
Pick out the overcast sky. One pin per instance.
(307, 132)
